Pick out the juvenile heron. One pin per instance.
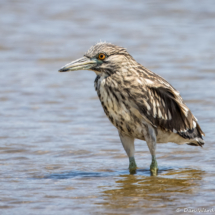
(139, 103)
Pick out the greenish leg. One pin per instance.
(154, 166)
(151, 140)
(128, 144)
(132, 165)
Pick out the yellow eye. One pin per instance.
(101, 56)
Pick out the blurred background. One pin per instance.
(59, 154)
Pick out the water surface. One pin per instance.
(59, 152)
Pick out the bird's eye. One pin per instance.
(101, 56)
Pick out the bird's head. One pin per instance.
(101, 58)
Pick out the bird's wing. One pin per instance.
(163, 106)
(170, 113)
(167, 110)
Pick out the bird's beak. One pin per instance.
(83, 63)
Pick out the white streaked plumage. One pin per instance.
(139, 103)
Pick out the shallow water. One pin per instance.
(59, 152)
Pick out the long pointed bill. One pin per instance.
(83, 63)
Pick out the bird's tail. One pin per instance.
(197, 142)
(198, 139)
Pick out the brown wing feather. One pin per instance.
(171, 113)
(166, 110)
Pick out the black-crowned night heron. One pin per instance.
(139, 103)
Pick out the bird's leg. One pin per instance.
(154, 166)
(128, 144)
(150, 137)
(132, 165)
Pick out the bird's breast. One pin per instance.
(117, 109)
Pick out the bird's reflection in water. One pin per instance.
(170, 188)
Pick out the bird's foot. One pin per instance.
(154, 167)
(132, 165)
(154, 171)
